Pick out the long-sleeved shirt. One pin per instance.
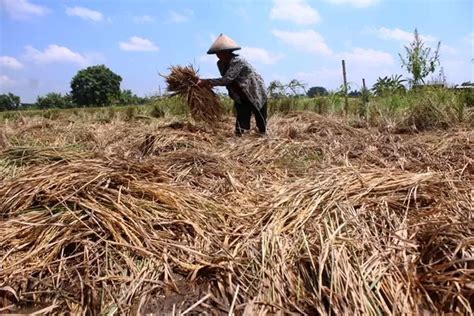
(240, 77)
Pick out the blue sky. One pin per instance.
(43, 43)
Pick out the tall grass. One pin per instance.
(417, 109)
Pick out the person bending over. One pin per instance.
(244, 85)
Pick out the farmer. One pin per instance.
(244, 84)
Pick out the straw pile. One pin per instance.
(194, 222)
(202, 101)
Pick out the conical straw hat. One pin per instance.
(223, 42)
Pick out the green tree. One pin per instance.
(317, 91)
(127, 97)
(9, 102)
(95, 86)
(54, 100)
(295, 86)
(276, 89)
(420, 61)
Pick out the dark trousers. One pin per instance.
(244, 110)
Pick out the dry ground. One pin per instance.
(166, 217)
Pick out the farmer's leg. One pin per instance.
(243, 113)
(261, 118)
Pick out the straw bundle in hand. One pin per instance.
(202, 101)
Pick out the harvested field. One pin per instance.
(169, 217)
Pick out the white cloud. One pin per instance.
(177, 17)
(427, 38)
(458, 70)
(448, 50)
(307, 40)
(400, 35)
(85, 13)
(320, 77)
(469, 39)
(22, 9)
(297, 11)
(55, 54)
(367, 57)
(143, 19)
(260, 55)
(278, 77)
(6, 81)
(10, 62)
(138, 44)
(355, 3)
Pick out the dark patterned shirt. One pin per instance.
(240, 77)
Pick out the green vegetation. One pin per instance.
(317, 91)
(419, 60)
(294, 88)
(127, 97)
(9, 102)
(413, 109)
(389, 86)
(54, 100)
(95, 86)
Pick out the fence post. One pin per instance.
(365, 97)
(346, 102)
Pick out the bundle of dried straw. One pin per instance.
(202, 101)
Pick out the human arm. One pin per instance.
(235, 68)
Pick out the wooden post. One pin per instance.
(365, 93)
(365, 98)
(364, 90)
(346, 102)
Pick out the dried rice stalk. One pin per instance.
(202, 101)
(334, 221)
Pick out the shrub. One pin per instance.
(282, 105)
(321, 105)
(388, 86)
(467, 97)
(51, 114)
(317, 91)
(54, 100)
(156, 111)
(436, 108)
(420, 61)
(9, 102)
(127, 97)
(130, 113)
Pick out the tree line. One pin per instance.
(90, 87)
